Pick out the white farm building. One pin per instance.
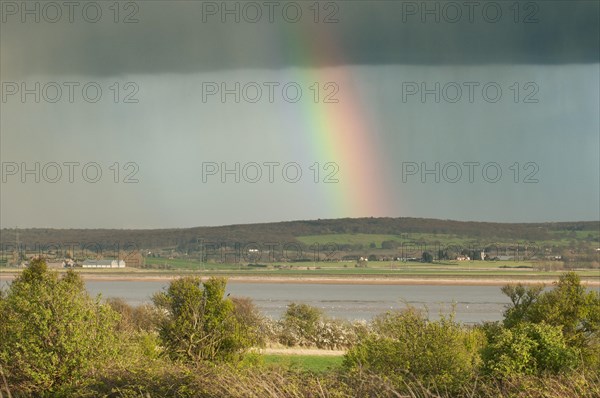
(103, 264)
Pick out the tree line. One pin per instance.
(188, 238)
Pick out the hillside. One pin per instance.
(484, 232)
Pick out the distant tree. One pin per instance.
(427, 257)
(475, 254)
(372, 245)
(52, 332)
(443, 255)
(133, 258)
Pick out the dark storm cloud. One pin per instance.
(171, 37)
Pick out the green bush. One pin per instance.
(300, 324)
(199, 323)
(522, 298)
(250, 320)
(405, 345)
(53, 333)
(568, 306)
(335, 334)
(142, 318)
(528, 349)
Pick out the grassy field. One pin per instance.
(313, 363)
(560, 240)
(367, 239)
(346, 265)
(460, 270)
(381, 268)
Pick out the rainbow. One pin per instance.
(341, 132)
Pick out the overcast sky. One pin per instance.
(157, 122)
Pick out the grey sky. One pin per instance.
(171, 130)
(173, 37)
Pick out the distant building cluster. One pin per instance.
(69, 263)
(103, 264)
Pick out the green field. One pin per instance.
(375, 268)
(464, 270)
(560, 240)
(367, 239)
(313, 363)
(449, 265)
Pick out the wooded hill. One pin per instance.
(289, 231)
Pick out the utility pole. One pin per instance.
(17, 245)
(201, 242)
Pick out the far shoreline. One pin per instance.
(326, 280)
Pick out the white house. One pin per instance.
(103, 264)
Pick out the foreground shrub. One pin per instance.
(200, 324)
(569, 306)
(212, 380)
(251, 322)
(570, 385)
(142, 318)
(52, 332)
(528, 349)
(306, 326)
(166, 379)
(405, 346)
(336, 334)
(299, 325)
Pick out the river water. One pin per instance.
(352, 301)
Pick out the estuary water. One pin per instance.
(472, 304)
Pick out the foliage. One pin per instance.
(336, 334)
(569, 307)
(299, 325)
(397, 354)
(142, 318)
(216, 380)
(199, 323)
(52, 332)
(528, 349)
(405, 344)
(329, 333)
(427, 257)
(250, 320)
(569, 385)
(521, 297)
